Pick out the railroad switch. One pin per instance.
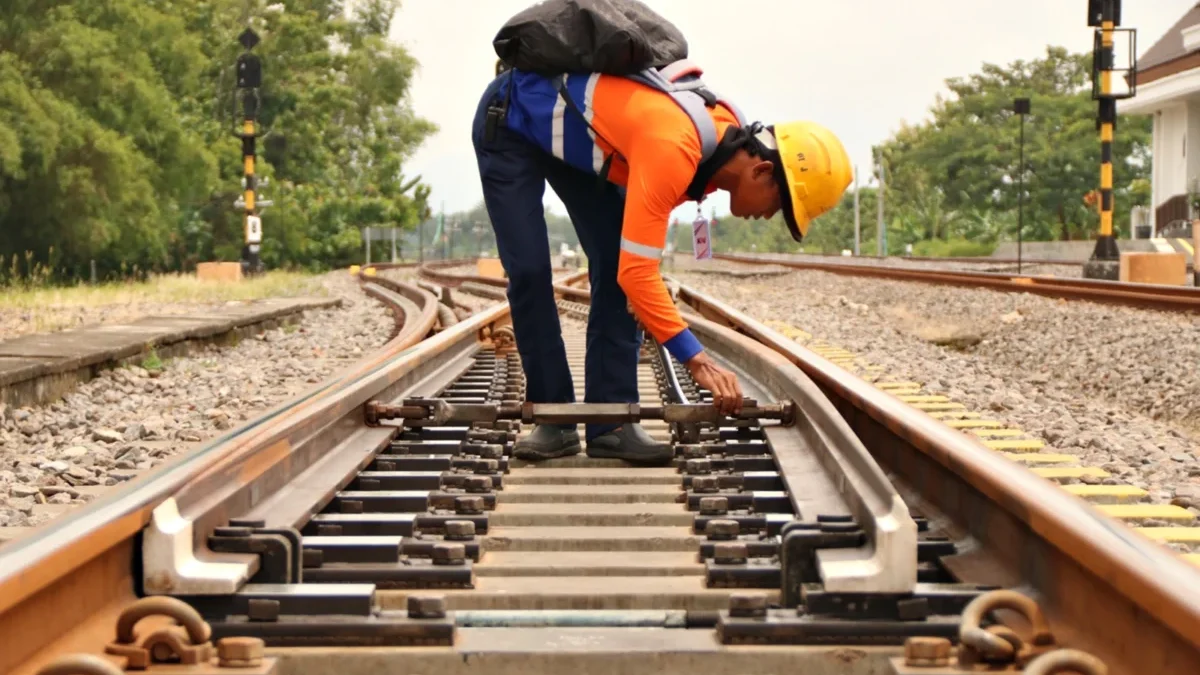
(423, 412)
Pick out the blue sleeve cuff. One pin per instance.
(683, 346)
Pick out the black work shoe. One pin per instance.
(547, 441)
(632, 444)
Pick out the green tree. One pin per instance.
(964, 160)
(116, 123)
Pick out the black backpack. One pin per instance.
(614, 37)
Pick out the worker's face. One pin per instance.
(756, 194)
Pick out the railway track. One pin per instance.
(380, 523)
(1146, 296)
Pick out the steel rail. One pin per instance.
(887, 561)
(81, 565)
(1144, 296)
(1117, 594)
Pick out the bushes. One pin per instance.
(953, 248)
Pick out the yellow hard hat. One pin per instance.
(813, 172)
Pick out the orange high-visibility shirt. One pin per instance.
(662, 150)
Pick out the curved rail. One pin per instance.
(1146, 296)
(82, 564)
(1116, 593)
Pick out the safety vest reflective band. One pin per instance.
(641, 249)
(557, 112)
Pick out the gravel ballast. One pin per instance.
(1116, 386)
(131, 419)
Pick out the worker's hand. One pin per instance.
(727, 393)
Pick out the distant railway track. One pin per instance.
(1145, 296)
(816, 531)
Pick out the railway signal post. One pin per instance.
(249, 79)
(1105, 16)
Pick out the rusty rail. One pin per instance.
(1116, 593)
(81, 565)
(1144, 296)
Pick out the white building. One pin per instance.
(1168, 88)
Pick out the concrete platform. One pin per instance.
(42, 367)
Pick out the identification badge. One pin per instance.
(701, 241)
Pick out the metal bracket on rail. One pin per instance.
(996, 648)
(429, 412)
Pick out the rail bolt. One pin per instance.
(930, 652)
(468, 506)
(487, 466)
(721, 530)
(698, 467)
(477, 484)
(713, 506)
(748, 605)
(449, 554)
(240, 652)
(460, 530)
(729, 553)
(704, 484)
(426, 607)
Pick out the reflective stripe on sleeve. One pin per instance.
(641, 249)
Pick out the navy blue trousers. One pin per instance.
(514, 173)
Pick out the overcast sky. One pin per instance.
(861, 67)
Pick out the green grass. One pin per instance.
(167, 288)
(953, 248)
(43, 307)
(152, 362)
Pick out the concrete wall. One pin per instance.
(1170, 166)
(1079, 250)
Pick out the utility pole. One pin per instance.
(857, 227)
(881, 235)
(1105, 15)
(1021, 108)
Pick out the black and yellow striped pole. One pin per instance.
(1106, 16)
(249, 79)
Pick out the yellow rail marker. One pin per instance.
(1142, 511)
(898, 385)
(975, 424)
(1065, 472)
(925, 399)
(938, 407)
(993, 433)
(1041, 458)
(901, 392)
(1182, 535)
(954, 414)
(1017, 445)
(1115, 493)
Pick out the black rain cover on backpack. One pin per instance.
(615, 37)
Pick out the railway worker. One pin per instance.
(621, 156)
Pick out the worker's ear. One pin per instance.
(763, 170)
